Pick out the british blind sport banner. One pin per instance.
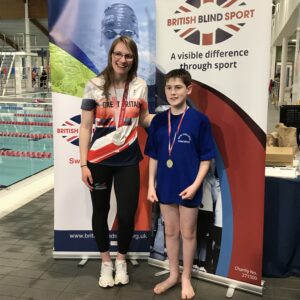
(81, 32)
(225, 45)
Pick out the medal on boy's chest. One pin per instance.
(169, 161)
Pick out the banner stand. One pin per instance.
(230, 283)
(133, 257)
(95, 255)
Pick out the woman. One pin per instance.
(116, 101)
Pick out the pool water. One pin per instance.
(26, 140)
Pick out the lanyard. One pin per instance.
(171, 145)
(120, 122)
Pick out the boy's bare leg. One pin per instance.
(188, 228)
(170, 214)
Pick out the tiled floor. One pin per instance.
(28, 271)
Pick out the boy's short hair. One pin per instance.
(183, 74)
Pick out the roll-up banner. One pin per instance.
(81, 32)
(225, 45)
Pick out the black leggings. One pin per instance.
(126, 185)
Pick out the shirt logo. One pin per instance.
(184, 138)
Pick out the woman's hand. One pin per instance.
(86, 177)
(145, 118)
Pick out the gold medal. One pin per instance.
(169, 163)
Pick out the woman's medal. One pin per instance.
(170, 162)
(118, 139)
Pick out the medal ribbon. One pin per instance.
(170, 146)
(123, 105)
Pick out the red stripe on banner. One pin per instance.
(184, 9)
(208, 1)
(233, 27)
(72, 138)
(230, 3)
(186, 32)
(143, 213)
(207, 39)
(246, 176)
(69, 123)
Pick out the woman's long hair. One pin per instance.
(108, 72)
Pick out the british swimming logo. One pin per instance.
(69, 130)
(210, 22)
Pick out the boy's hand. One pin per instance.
(152, 197)
(188, 193)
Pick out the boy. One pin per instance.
(180, 146)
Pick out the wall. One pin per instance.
(285, 20)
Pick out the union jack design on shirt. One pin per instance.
(102, 146)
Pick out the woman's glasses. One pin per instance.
(119, 55)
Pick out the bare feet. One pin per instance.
(187, 291)
(165, 285)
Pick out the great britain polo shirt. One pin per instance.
(102, 149)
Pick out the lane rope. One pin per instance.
(30, 154)
(27, 135)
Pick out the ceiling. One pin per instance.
(12, 24)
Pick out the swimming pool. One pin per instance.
(26, 139)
